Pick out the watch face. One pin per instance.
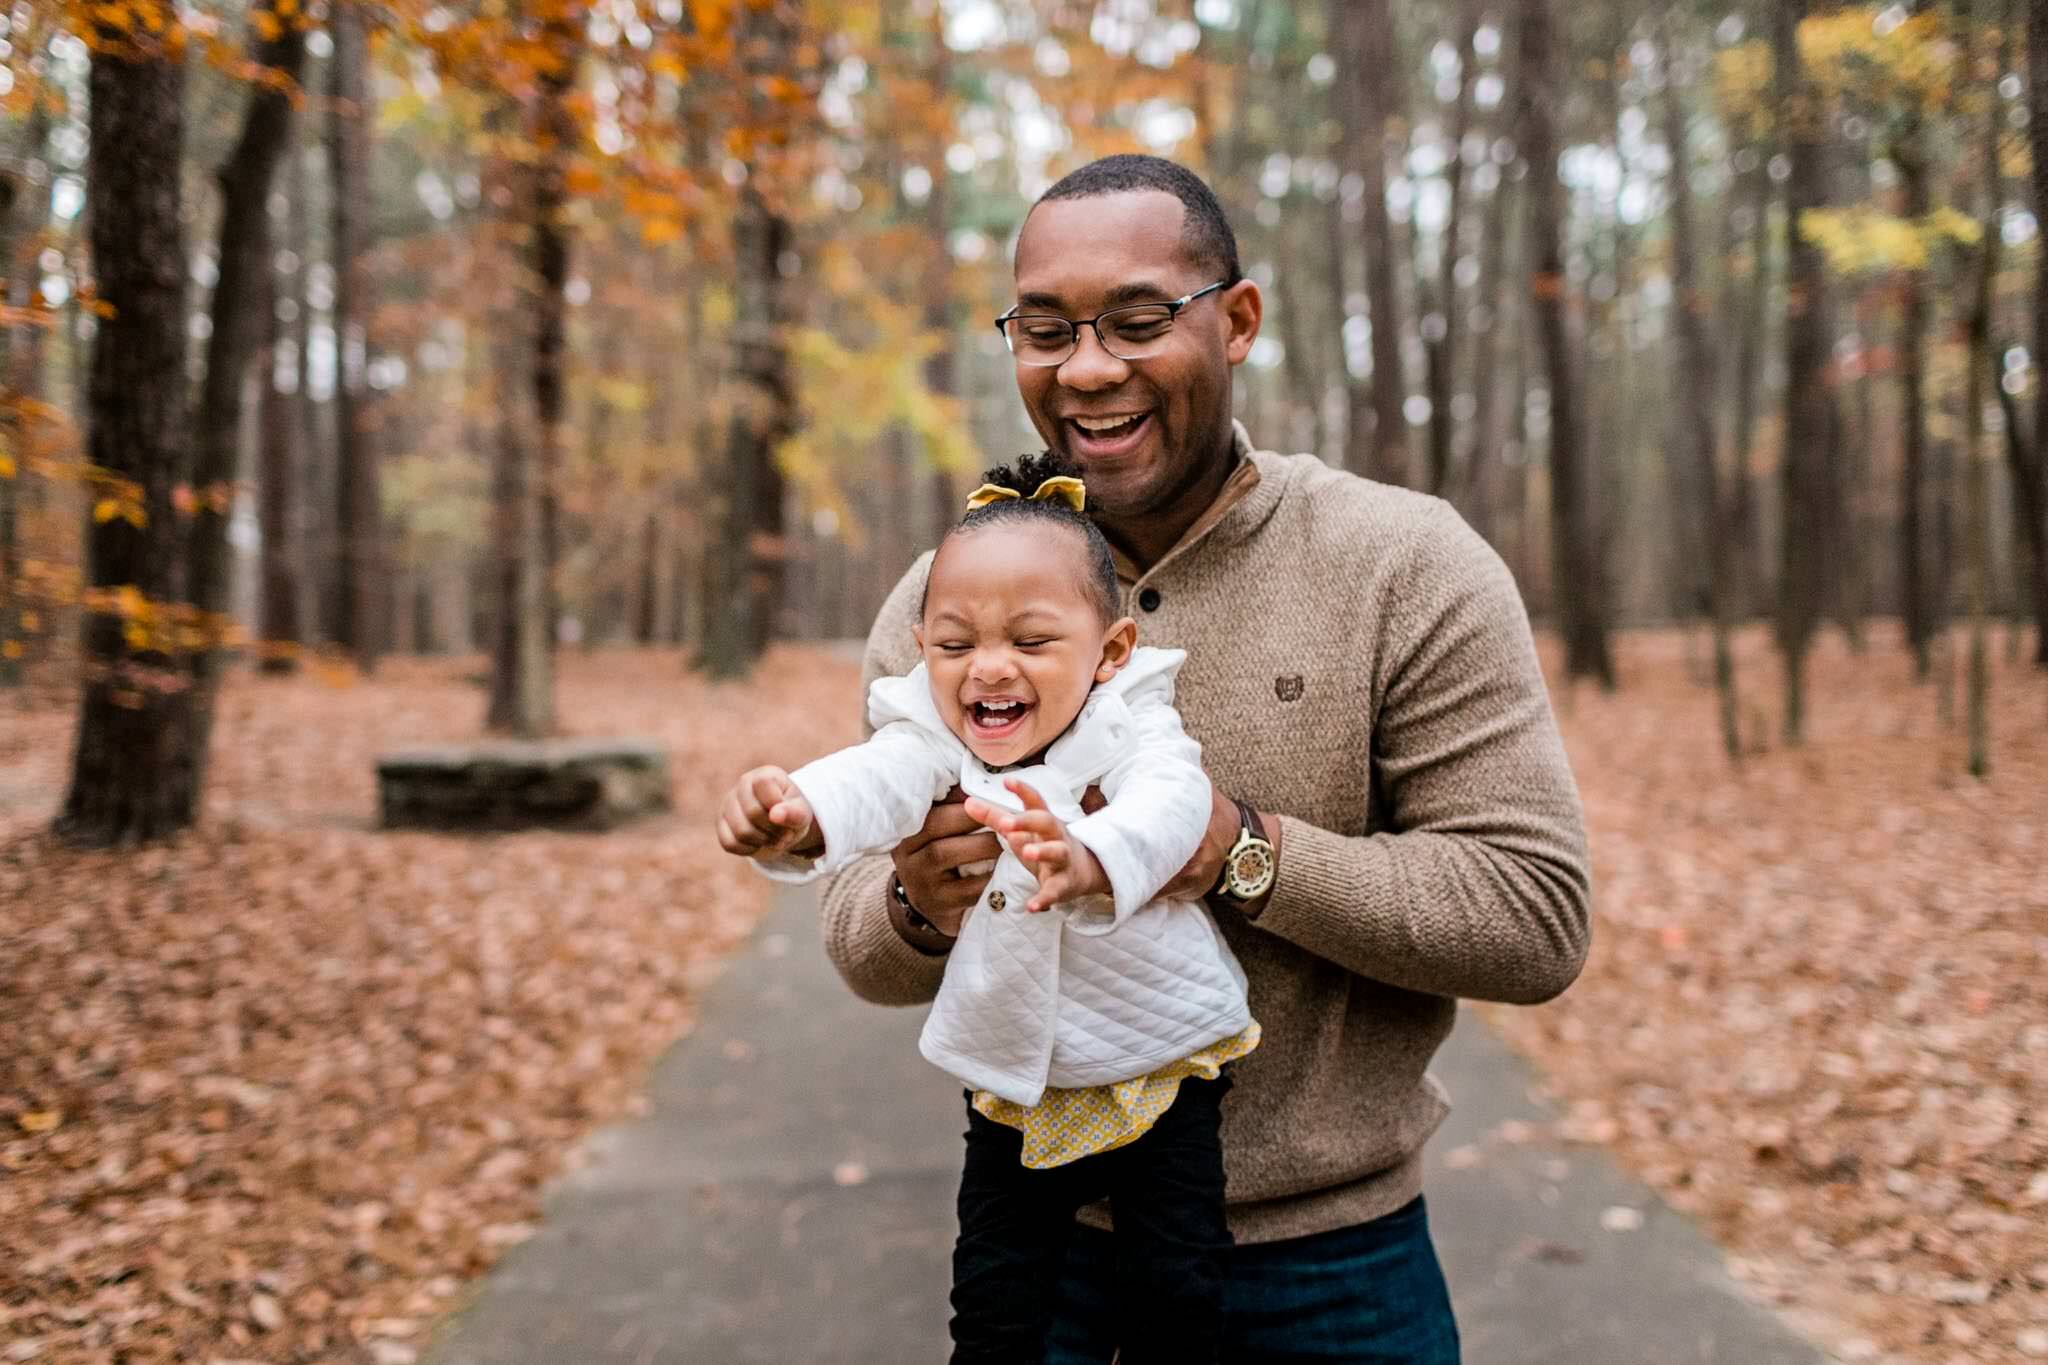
(1250, 870)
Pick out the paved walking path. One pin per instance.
(789, 1200)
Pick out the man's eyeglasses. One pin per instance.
(1132, 333)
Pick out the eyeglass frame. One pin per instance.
(1173, 309)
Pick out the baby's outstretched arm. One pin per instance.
(1065, 869)
(765, 815)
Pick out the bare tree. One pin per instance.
(1809, 408)
(1909, 154)
(358, 521)
(1369, 76)
(2029, 469)
(1695, 427)
(1579, 587)
(1441, 325)
(135, 762)
(242, 295)
(745, 563)
(532, 268)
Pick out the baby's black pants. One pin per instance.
(1166, 1194)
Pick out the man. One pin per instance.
(1393, 803)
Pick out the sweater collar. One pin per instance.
(1247, 499)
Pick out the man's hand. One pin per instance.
(928, 863)
(1065, 869)
(765, 814)
(1205, 869)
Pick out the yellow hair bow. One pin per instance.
(1060, 488)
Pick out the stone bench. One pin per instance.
(522, 784)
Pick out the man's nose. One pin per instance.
(1091, 368)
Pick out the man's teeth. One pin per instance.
(1098, 425)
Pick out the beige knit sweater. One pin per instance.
(1359, 663)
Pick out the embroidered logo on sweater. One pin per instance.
(1288, 687)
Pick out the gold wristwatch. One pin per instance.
(1249, 865)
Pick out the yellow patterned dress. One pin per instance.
(1066, 1125)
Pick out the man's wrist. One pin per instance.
(1242, 818)
(911, 926)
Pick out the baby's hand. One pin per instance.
(765, 814)
(1065, 869)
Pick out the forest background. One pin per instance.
(499, 364)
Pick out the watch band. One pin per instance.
(911, 914)
(1249, 826)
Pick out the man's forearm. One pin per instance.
(862, 939)
(1488, 918)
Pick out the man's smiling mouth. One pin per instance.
(1107, 435)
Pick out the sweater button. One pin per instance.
(996, 901)
(1149, 599)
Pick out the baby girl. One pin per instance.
(1089, 1019)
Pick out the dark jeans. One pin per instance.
(1368, 1295)
(1160, 1276)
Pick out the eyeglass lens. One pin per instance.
(1127, 334)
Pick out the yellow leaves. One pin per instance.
(1742, 81)
(1860, 239)
(8, 468)
(267, 25)
(11, 649)
(1872, 51)
(39, 1120)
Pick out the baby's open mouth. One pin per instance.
(998, 717)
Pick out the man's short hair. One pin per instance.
(1204, 231)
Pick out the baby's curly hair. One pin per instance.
(1028, 473)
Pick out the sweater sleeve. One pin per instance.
(1158, 809)
(1479, 887)
(870, 956)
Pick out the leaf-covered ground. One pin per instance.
(279, 1090)
(1816, 1013)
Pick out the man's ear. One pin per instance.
(1117, 644)
(1242, 307)
(917, 634)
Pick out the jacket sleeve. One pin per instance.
(1158, 809)
(1479, 887)
(866, 799)
(870, 956)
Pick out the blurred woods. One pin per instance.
(387, 326)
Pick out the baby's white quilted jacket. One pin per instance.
(1092, 992)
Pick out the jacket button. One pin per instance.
(996, 900)
(1149, 599)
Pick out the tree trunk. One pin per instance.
(243, 314)
(358, 520)
(939, 370)
(1754, 321)
(745, 567)
(522, 699)
(2029, 468)
(1379, 433)
(1441, 327)
(280, 470)
(1913, 597)
(1809, 408)
(135, 763)
(12, 600)
(27, 215)
(1983, 367)
(553, 135)
(1578, 589)
(1696, 375)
